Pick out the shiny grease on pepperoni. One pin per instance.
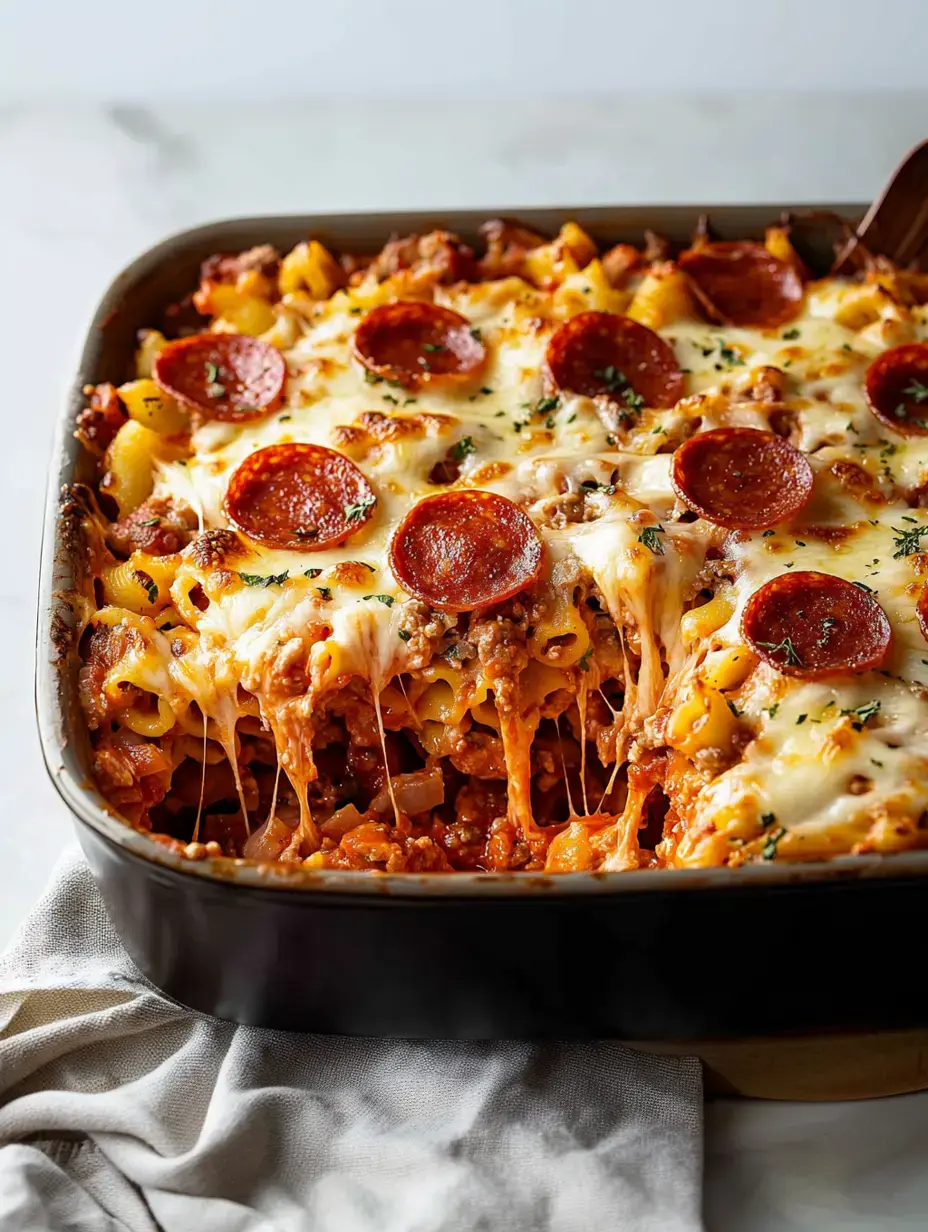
(741, 478)
(741, 283)
(298, 496)
(417, 343)
(602, 353)
(232, 377)
(897, 388)
(466, 549)
(815, 624)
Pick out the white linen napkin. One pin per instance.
(120, 1110)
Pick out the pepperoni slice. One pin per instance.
(601, 353)
(741, 478)
(415, 343)
(897, 388)
(816, 624)
(298, 496)
(465, 549)
(921, 612)
(743, 284)
(232, 377)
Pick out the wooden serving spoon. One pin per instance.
(896, 225)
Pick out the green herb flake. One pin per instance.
(790, 335)
(404, 636)
(772, 710)
(462, 448)
(734, 709)
(729, 355)
(386, 600)
(786, 648)
(324, 592)
(215, 388)
(584, 661)
(769, 851)
(593, 485)
(357, 511)
(149, 583)
(917, 391)
(312, 573)
(802, 718)
(284, 418)
(649, 537)
(863, 713)
(475, 332)
(767, 820)
(265, 579)
(908, 542)
(768, 533)
(434, 348)
(151, 522)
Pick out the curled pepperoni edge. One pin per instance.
(781, 454)
(567, 341)
(502, 508)
(870, 613)
(455, 328)
(912, 358)
(215, 344)
(262, 463)
(785, 273)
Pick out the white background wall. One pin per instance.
(255, 50)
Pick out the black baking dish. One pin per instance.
(666, 954)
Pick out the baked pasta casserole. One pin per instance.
(532, 557)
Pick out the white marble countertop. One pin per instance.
(84, 190)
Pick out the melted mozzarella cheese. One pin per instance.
(817, 776)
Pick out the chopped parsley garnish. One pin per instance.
(475, 332)
(802, 718)
(785, 647)
(768, 533)
(593, 485)
(306, 532)
(772, 710)
(769, 851)
(616, 382)
(907, 542)
(734, 709)
(610, 440)
(324, 592)
(151, 522)
(265, 579)
(729, 355)
(862, 713)
(390, 398)
(283, 418)
(151, 586)
(355, 512)
(386, 600)
(767, 820)
(215, 388)
(863, 586)
(544, 406)
(312, 573)
(404, 636)
(649, 537)
(462, 448)
(917, 391)
(434, 348)
(789, 335)
(584, 661)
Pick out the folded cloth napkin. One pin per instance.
(120, 1110)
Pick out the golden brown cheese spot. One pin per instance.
(351, 573)
(489, 473)
(375, 428)
(213, 548)
(858, 483)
